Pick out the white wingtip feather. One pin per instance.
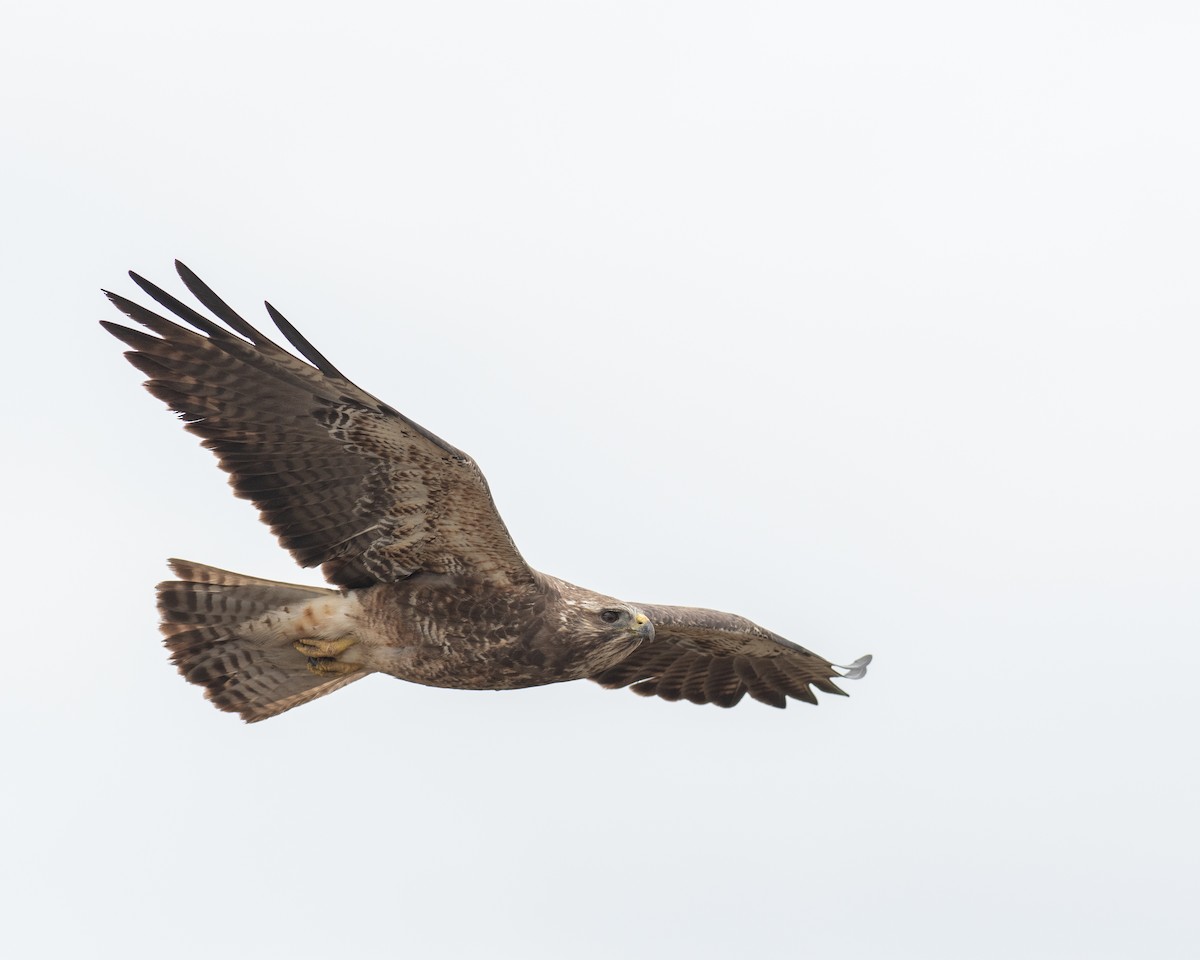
(857, 670)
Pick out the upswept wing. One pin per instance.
(342, 479)
(710, 657)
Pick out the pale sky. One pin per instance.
(876, 323)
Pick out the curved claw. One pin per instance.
(328, 667)
(324, 648)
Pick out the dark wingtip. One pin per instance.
(219, 308)
(185, 272)
(300, 342)
(153, 290)
(125, 305)
(117, 330)
(202, 323)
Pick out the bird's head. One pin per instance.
(620, 621)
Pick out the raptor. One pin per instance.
(427, 585)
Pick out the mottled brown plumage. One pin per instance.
(431, 587)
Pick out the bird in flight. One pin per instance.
(428, 585)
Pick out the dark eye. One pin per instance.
(610, 616)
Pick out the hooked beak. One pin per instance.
(642, 627)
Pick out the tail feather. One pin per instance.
(213, 624)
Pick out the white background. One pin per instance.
(874, 322)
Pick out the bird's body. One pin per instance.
(430, 586)
(427, 631)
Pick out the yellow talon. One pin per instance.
(324, 648)
(325, 667)
(322, 656)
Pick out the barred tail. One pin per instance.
(217, 626)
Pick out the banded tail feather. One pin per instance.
(232, 634)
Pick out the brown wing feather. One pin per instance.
(342, 479)
(710, 657)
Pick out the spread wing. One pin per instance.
(343, 480)
(709, 657)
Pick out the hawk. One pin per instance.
(428, 585)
